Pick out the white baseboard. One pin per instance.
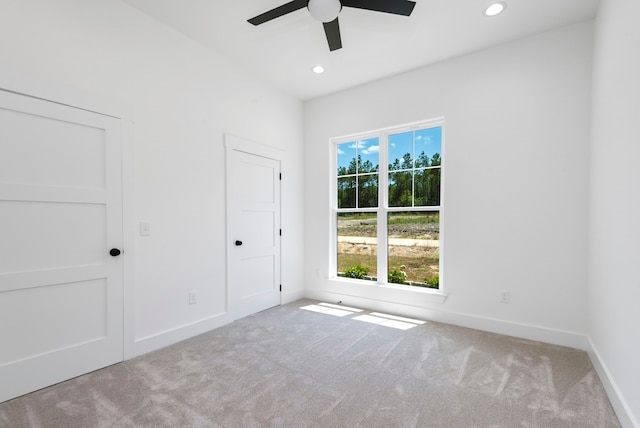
(624, 413)
(539, 334)
(292, 296)
(175, 335)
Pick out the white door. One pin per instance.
(61, 292)
(253, 186)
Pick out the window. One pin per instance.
(387, 209)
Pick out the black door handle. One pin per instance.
(238, 243)
(114, 252)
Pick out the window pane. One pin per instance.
(346, 158)
(368, 191)
(400, 189)
(368, 155)
(414, 248)
(347, 192)
(401, 151)
(357, 246)
(427, 187)
(429, 147)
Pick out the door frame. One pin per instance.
(231, 143)
(75, 98)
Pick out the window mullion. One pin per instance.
(383, 190)
(357, 191)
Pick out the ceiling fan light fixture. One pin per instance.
(495, 9)
(324, 10)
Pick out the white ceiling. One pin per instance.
(375, 44)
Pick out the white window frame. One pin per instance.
(383, 206)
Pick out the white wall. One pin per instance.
(184, 99)
(515, 192)
(614, 226)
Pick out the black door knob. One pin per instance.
(114, 252)
(238, 243)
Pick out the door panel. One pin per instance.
(58, 145)
(260, 188)
(61, 309)
(48, 317)
(72, 235)
(257, 229)
(257, 276)
(254, 219)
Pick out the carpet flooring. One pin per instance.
(308, 364)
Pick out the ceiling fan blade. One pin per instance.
(332, 30)
(279, 11)
(397, 7)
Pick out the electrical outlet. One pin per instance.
(505, 296)
(192, 297)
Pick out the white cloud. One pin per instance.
(340, 151)
(370, 150)
(426, 140)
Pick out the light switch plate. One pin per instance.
(145, 228)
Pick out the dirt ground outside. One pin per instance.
(413, 243)
(420, 263)
(367, 228)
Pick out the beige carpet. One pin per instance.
(293, 367)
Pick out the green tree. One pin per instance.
(422, 161)
(353, 165)
(400, 183)
(427, 181)
(407, 161)
(400, 189)
(365, 167)
(368, 191)
(361, 175)
(347, 192)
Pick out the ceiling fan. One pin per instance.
(326, 11)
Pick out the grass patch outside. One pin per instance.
(418, 269)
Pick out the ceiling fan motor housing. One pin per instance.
(324, 10)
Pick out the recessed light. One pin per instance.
(318, 69)
(495, 9)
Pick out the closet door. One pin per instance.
(61, 272)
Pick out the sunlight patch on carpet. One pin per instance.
(378, 318)
(346, 308)
(397, 318)
(386, 322)
(328, 310)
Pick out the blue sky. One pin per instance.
(367, 149)
(428, 140)
(399, 145)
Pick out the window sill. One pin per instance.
(413, 289)
(415, 296)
